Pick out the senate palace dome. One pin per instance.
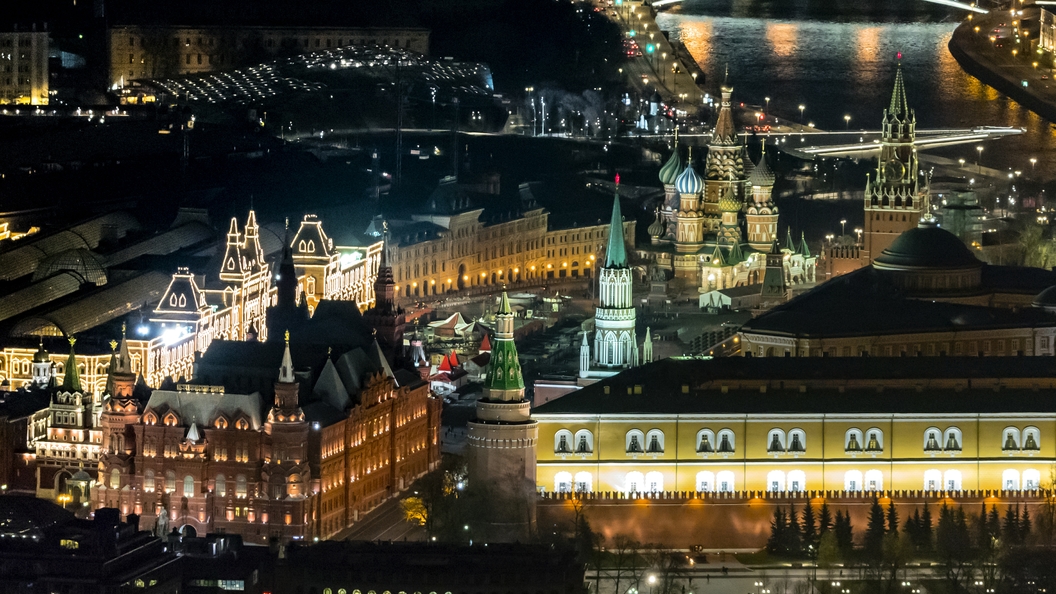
(930, 260)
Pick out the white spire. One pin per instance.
(192, 434)
(286, 369)
(647, 346)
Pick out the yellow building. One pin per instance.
(737, 425)
(140, 52)
(24, 67)
(456, 244)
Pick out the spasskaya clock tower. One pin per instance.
(895, 198)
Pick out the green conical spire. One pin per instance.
(616, 252)
(504, 370)
(736, 255)
(789, 244)
(504, 305)
(804, 249)
(899, 105)
(72, 381)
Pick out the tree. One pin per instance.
(793, 544)
(926, 532)
(892, 518)
(824, 518)
(624, 557)
(809, 527)
(1025, 526)
(1011, 527)
(828, 550)
(414, 511)
(993, 523)
(874, 532)
(778, 526)
(844, 534)
(952, 545)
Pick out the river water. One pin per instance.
(841, 61)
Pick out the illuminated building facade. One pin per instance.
(193, 311)
(454, 245)
(24, 67)
(734, 426)
(697, 234)
(67, 437)
(166, 51)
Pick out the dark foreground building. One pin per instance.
(44, 548)
(428, 568)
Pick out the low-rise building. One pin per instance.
(162, 51)
(24, 67)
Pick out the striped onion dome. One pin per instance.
(669, 172)
(689, 183)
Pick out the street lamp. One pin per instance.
(847, 122)
(801, 108)
(843, 227)
(961, 161)
(858, 230)
(767, 110)
(979, 159)
(1033, 162)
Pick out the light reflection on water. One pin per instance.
(838, 68)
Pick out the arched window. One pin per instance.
(726, 442)
(874, 440)
(775, 441)
(634, 482)
(1010, 440)
(874, 480)
(775, 481)
(1010, 480)
(188, 486)
(148, 481)
(563, 442)
(1031, 439)
(951, 441)
(170, 481)
(852, 441)
(705, 441)
(932, 480)
(584, 441)
(705, 481)
(724, 481)
(932, 440)
(1031, 479)
(797, 440)
(240, 486)
(115, 479)
(797, 481)
(951, 480)
(852, 480)
(563, 482)
(221, 485)
(654, 482)
(635, 442)
(655, 441)
(584, 482)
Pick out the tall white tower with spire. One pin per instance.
(615, 346)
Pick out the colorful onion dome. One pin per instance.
(762, 175)
(688, 182)
(669, 172)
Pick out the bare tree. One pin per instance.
(624, 558)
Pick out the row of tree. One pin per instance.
(806, 534)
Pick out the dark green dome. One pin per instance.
(927, 246)
(1046, 298)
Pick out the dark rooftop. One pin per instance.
(662, 384)
(836, 307)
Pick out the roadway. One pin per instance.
(384, 523)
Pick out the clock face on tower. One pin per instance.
(894, 170)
